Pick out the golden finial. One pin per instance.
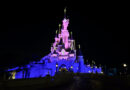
(65, 12)
(71, 33)
(56, 31)
(59, 24)
(79, 46)
(59, 27)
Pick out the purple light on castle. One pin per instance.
(63, 56)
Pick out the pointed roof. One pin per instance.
(56, 33)
(79, 53)
(71, 36)
(54, 52)
(59, 28)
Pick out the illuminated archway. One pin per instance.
(63, 68)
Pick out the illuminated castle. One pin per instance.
(63, 57)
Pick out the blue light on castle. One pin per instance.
(63, 57)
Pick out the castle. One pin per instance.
(63, 57)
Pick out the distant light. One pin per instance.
(89, 71)
(88, 65)
(56, 65)
(71, 66)
(13, 74)
(101, 72)
(124, 65)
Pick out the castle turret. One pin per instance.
(80, 60)
(64, 30)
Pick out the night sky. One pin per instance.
(99, 27)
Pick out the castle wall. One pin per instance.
(63, 55)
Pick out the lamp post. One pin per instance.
(125, 68)
(124, 65)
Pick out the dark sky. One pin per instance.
(99, 27)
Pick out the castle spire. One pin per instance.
(71, 35)
(79, 46)
(65, 12)
(79, 51)
(59, 28)
(56, 33)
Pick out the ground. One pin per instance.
(69, 81)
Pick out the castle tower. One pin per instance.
(64, 30)
(80, 60)
(63, 45)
